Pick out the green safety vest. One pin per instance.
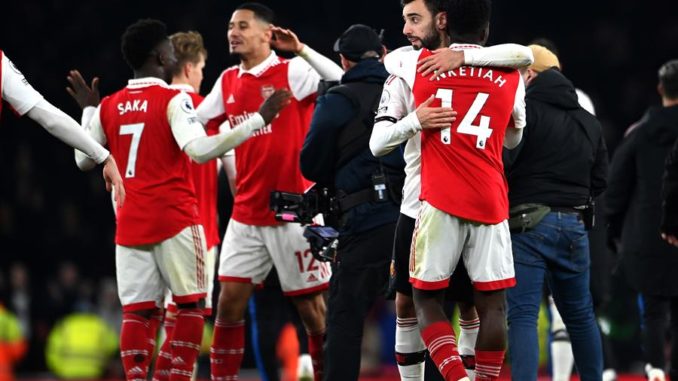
(10, 329)
(80, 346)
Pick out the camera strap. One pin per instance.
(348, 201)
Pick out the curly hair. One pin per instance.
(468, 18)
(140, 39)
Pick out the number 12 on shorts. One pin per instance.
(482, 131)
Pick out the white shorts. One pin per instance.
(210, 267)
(249, 252)
(177, 263)
(440, 239)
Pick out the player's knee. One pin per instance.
(404, 306)
(310, 307)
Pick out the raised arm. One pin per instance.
(202, 148)
(286, 40)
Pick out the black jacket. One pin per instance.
(562, 159)
(319, 155)
(670, 194)
(633, 203)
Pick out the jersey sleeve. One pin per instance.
(213, 104)
(402, 63)
(504, 55)
(519, 114)
(395, 122)
(94, 127)
(306, 71)
(15, 88)
(183, 119)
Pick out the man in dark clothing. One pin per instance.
(336, 151)
(560, 164)
(634, 209)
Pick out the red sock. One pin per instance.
(134, 346)
(315, 349)
(153, 323)
(488, 364)
(228, 347)
(163, 363)
(442, 346)
(186, 340)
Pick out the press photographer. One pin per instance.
(336, 151)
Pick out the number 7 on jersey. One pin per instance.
(481, 131)
(135, 130)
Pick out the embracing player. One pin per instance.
(464, 209)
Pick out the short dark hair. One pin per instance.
(668, 78)
(140, 39)
(468, 18)
(433, 6)
(548, 44)
(261, 11)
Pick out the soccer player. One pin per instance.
(25, 100)
(397, 123)
(187, 76)
(267, 160)
(464, 193)
(159, 240)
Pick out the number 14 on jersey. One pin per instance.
(482, 131)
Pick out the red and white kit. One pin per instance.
(160, 242)
(267, 161)
(205, 182)
(462, 174)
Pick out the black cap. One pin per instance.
(356, 41)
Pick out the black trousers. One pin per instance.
(660, 312)
(360, 276)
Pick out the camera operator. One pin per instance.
(336, 151)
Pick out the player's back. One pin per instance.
(462, 170)
(160, 196)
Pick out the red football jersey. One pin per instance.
(462, 172)
(160, 198)
(205, 182)
(269, 160)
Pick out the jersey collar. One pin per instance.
(138, 83)
(183, 87)
(259, 69)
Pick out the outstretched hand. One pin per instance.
(435, 117)
(114, 181)
(273, 104)
(441, 61)
(285, 40)
(82, 93)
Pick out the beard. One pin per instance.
(431, 41)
